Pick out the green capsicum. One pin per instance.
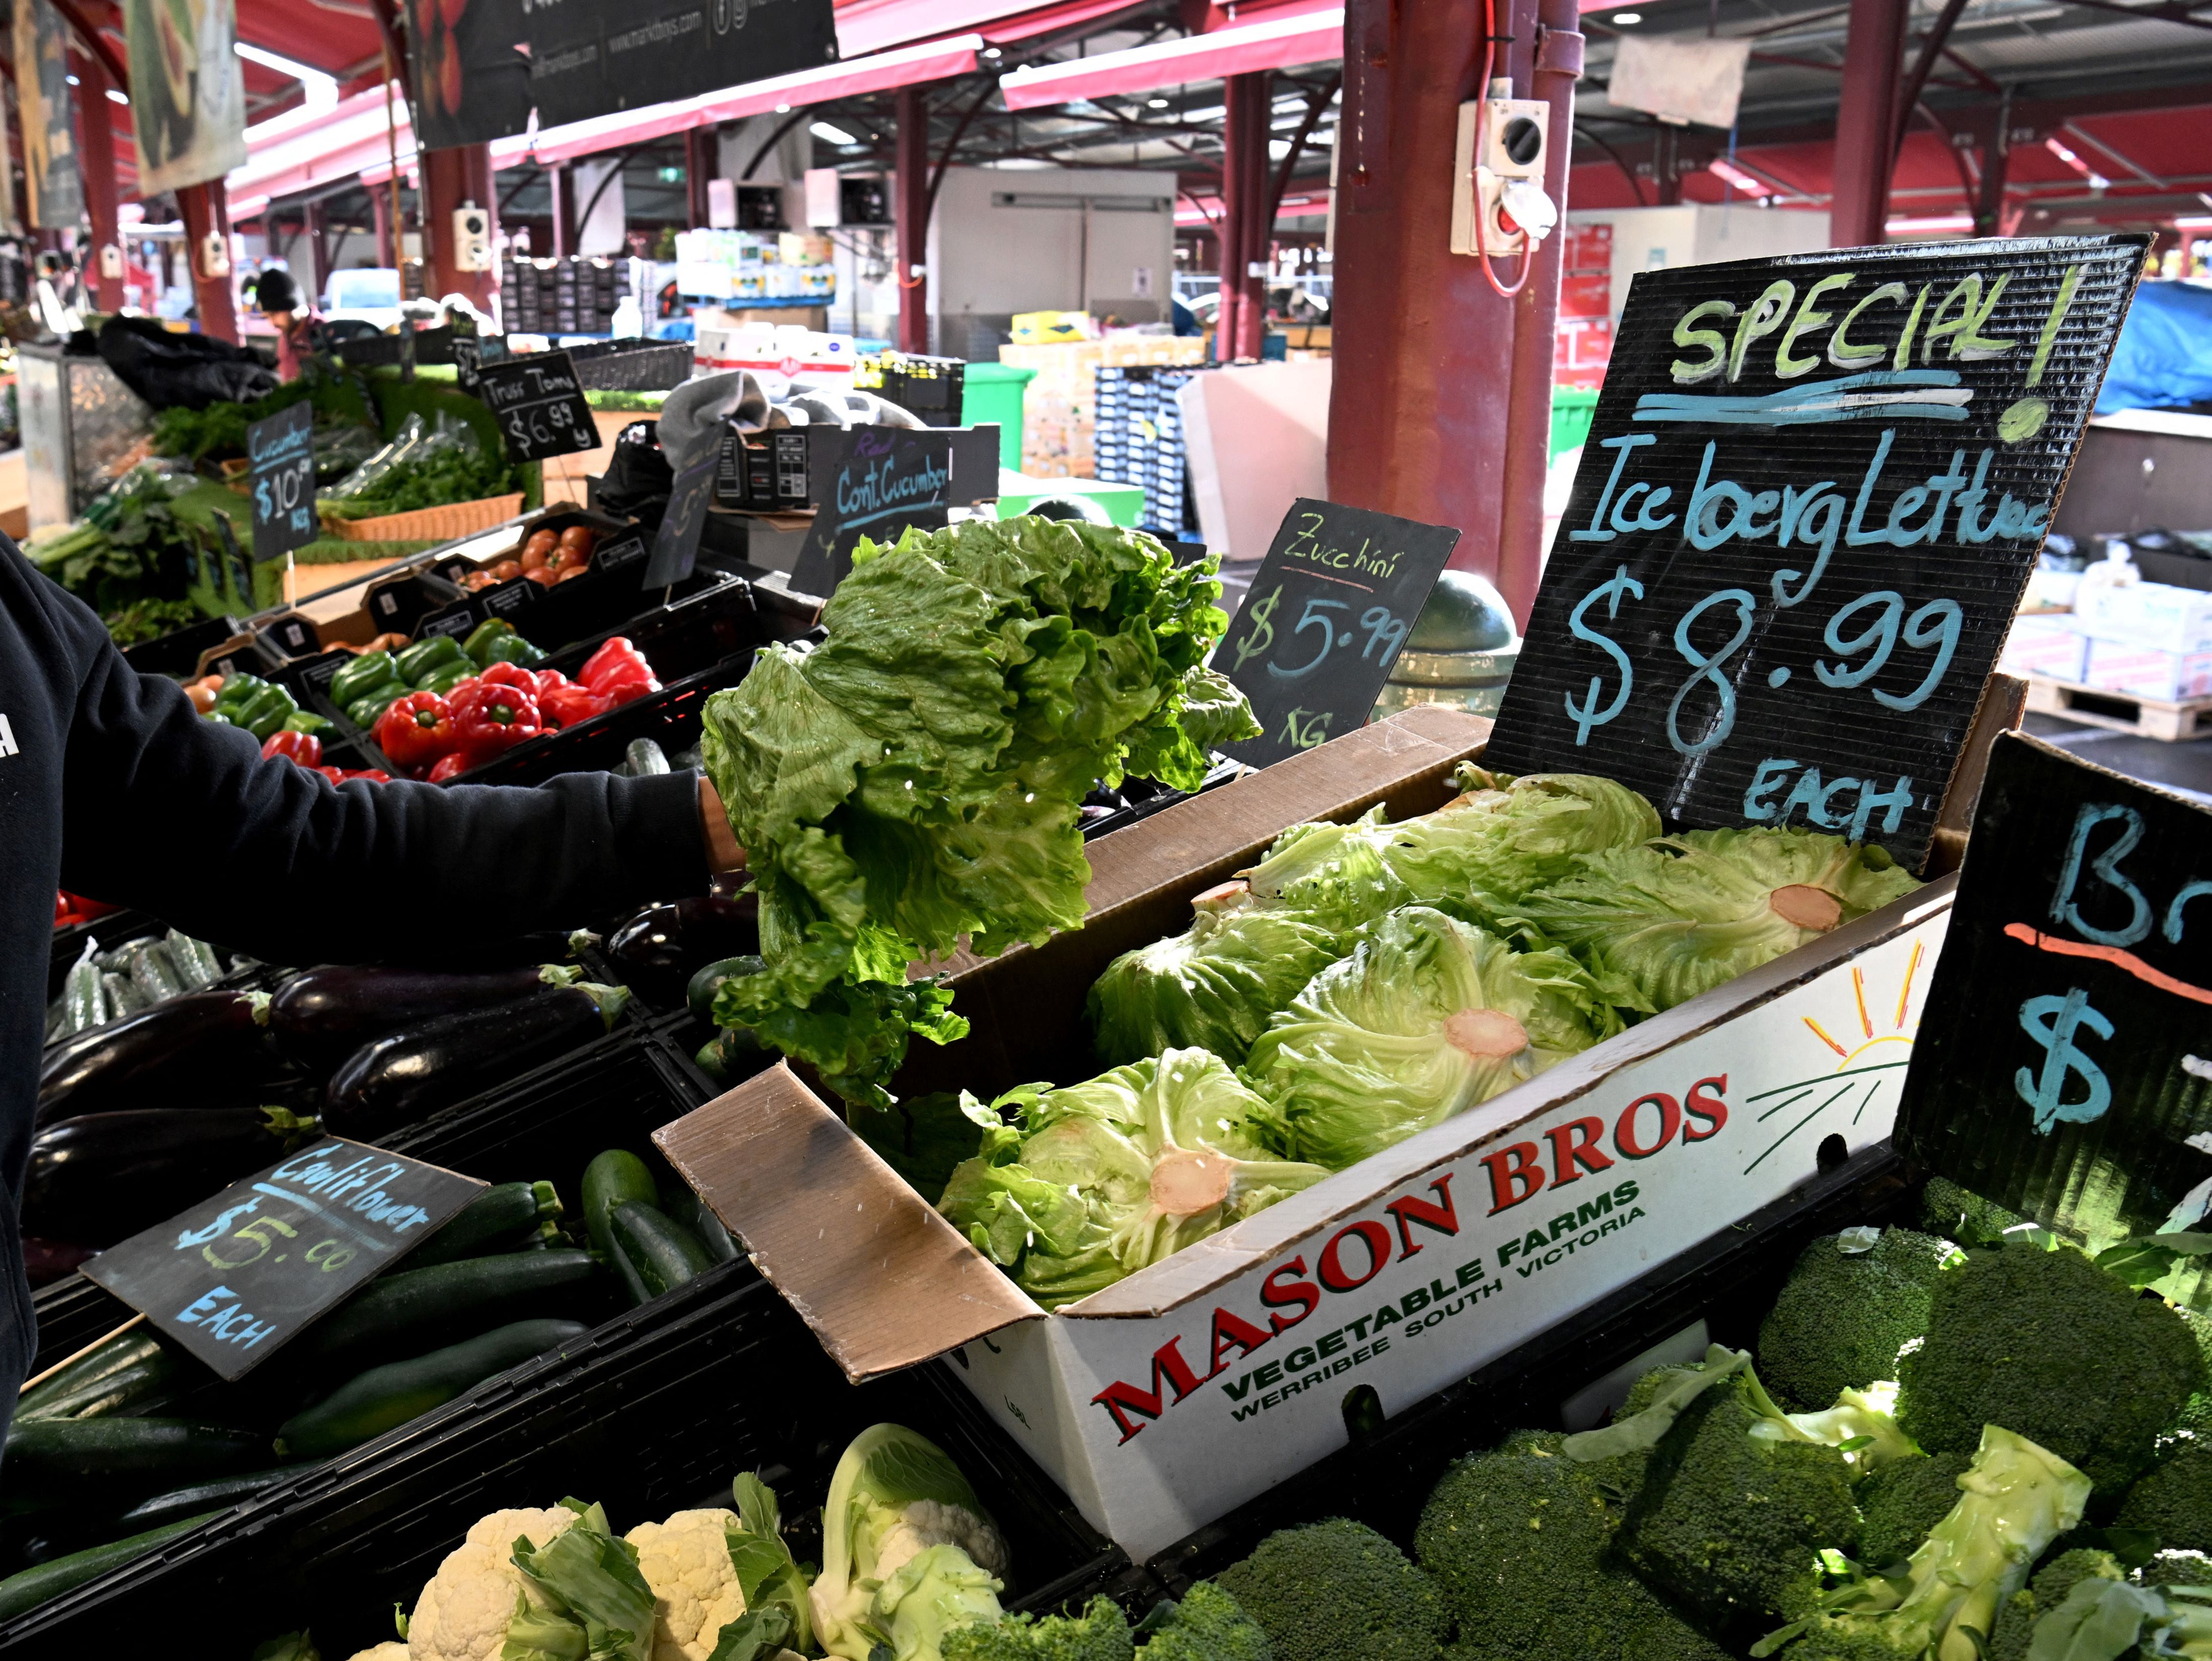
(307, 721)
(488, 634)
(265, 712)
(370, 672)
(238, 690)
(442, 681)
(427, 658)
(364, 711)
(513, 649)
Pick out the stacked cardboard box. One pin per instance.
(1139, 440)
(1059, 415)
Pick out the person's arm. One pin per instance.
(180, 816)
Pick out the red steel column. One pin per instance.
(1865, 123)
(1419, 408)
(911, 218)
(96, 136)
(205, 212)
(701, 147)
(1241, 321)
(1559, 62)
(453, 178)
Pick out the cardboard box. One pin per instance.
(2145, 615)
(2049, 646)
(1051, 328)
(1170, 1398)
(2142, 671)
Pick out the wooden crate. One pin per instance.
(2119, 712)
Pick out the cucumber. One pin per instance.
(81, 993)
(414, 1308)
(152, 973)
(664, 1253)
(126, 1387)
(384, 1397)
(491, 1218)
(196, 964)
(699, 996)
(63, 1458)
(615, 1176)
(33, 1587)
(193, 1501)
(111, 1355)
(642, 758)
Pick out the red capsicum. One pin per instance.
(416, 729)
(511, 675)
(448, 767)
(618, 672)
(301, 747)
(565, 706)
(490, 717)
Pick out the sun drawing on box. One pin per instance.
(1873, 1043)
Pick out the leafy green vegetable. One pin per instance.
(149, 619)
(596, 1600)
(1210, 987)
(1115, 1174)
(1428, 1018)
(1668, 919)
(1506, 836)
(916, 779)
(453, 467)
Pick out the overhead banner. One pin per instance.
(1808, 506)
(471, 81)
(187, 91)
(42, 94)
(592, 57)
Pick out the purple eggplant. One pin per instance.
(417, 1070)
(322, 1016)
(661, 948)
(104, 1178)
(202, 1050)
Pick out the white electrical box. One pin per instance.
(472, 238)
(722, 204)
(215, 255)
(1499, 201)
(111, 262)
(825, 201)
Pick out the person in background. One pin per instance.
(276, 297)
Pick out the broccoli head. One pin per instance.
(1208, 1625)
(1731, 1522)
(1851, 1303)
(2050, 1346)
(1338, 1591)
(1900, 1502)
(1517, 1539)
(2195, 1415)
(2014, 1500)
(1949, 1210)
(2046, 1592)
(2174, 1501)
(1101, 1633)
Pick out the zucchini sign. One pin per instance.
(1809, 503)
(236, 1278)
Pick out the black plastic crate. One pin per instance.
(632, 365)
(653, 1413)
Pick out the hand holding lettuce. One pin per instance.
(916, 779)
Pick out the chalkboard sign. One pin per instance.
(540, 405)
(236, 1278)
(471, 353)
(280, 453)
(875, 483)
(1811, 497)
(2063, 1069)
(676, 545)
(1323, 620)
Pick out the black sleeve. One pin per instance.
(182, 817)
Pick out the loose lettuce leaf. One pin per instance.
(1334, 874)
(1427, 1018)
(1497, 843)
(1120, 1172)
(915, 782)
(1663, 921)
(1212, 987)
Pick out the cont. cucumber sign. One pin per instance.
(1810, 500)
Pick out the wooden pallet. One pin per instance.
(2146, 718)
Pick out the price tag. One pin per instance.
(2063, 1068)
(236, 1278)
(540, 405)
(876, 482)
(280, 453)
(676, 545)
(1323, 620)
(1810, 500)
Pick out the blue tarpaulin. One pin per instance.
(2164, 352)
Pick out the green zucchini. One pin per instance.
(696, 1215)
(664, 1253)
(414, 1307)
(126, 1387)
(62, 1458)
(384, 1397)
(193, 1501)
(111, 1355)
(615, 1176)
(33, 1587)
(699, 996)
(498, 1216)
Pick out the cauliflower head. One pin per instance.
(390, 1650)
(926, 1522)
(686, 1561)
(463, 1613)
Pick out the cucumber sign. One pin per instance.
(1810, 500)
(236, 1278)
